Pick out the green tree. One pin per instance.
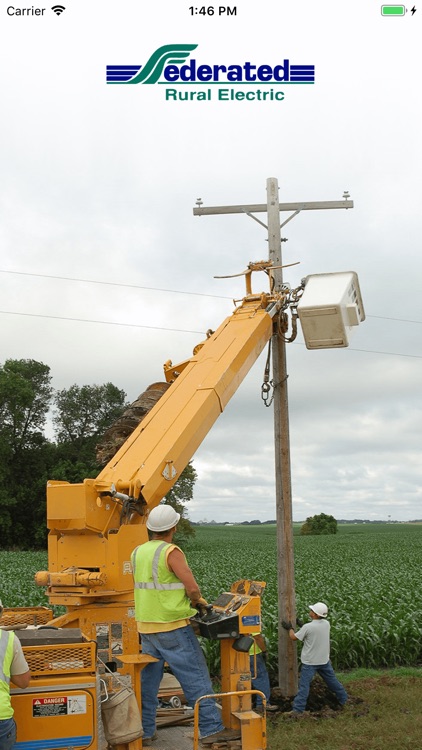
(25, 397)
(320, 524)
(27, 459)
(82, 415)
(181, 493)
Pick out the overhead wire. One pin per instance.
(163, 328)
(101, 322)
(177, 330)
(159, 289)
(112, 283)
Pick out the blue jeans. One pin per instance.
(182, 652)
(7, 734)
(261, 681)
(327, 673)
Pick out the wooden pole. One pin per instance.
(287, 656)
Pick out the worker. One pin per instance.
(315, 656)
(166, 593)
(13, 666)
(260, 678)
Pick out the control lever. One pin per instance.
(206, 611)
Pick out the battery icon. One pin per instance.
(393, 10)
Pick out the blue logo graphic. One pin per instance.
(168, 65)
(170, 54)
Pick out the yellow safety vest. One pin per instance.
(159, 595)
(254, 649)
(6, 658)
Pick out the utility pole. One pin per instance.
(287, 652)
(287, 657)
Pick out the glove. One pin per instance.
(264, 655)
(286, 625)
(299, 623)
(203, 607)
(201, 602)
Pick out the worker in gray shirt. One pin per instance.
(315, 656)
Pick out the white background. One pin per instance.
(98, 183)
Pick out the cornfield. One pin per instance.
(368, 574)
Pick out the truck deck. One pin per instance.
(172, 738)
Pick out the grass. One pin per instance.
(384, 711)
(370, 576)
(358, 674)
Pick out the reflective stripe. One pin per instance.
(160, 596)
(159, 586)
(155, 561)
(7, 640)
(4, 642)
(133, 560)
(155, 584)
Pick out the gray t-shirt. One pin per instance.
(315, 636)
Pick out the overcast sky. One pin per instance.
(98, 183)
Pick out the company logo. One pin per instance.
(167, 65)
(170, 54)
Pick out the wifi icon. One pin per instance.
(58, 9)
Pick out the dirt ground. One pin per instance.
(320, 699)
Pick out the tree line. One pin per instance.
(28, 458)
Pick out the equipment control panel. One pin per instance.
(233, 613)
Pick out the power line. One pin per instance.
(392, 354)
(401, 320)
(158, 289)
(175, 330)
(111, 283)
(101, 322)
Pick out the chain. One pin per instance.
(267, 386)
(294, 327)
(292, 302)
(281, 327)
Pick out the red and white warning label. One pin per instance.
(60, 705)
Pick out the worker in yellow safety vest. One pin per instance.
(166, 593)
(260, 677)
(13, 666)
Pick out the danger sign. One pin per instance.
(56, 706)
(61, 705)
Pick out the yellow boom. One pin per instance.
(95, 525)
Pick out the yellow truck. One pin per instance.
(94, 527)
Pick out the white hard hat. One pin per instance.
(320, 609)
(162, 518)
